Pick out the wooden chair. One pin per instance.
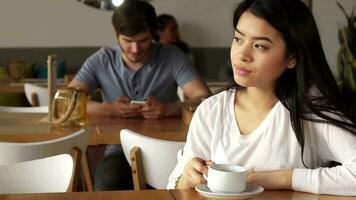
(75, 144)
(152, 160)
(40, 109)
(36, 95)
(51, 174)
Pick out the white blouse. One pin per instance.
(214, 135)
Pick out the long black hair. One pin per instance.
(162, 22)
(309, 87)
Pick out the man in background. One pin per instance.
(139, 70)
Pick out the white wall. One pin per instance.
(329, 18)
(58, 23)
(203, 23)
(53, 23)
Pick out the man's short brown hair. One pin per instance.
(134, 17)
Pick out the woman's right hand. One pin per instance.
(193, 173)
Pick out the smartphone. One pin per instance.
(137, 102)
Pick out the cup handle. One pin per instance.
(68, 112)
(205, 177)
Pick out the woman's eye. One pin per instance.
(237, 39)
(261, 47)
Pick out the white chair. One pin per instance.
(51, 174)
(152, 160)
(20, 152)
(36, 95)
(40, 109)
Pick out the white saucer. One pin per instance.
(251, 191)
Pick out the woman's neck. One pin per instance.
(256, 97)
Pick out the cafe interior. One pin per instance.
(51, 152)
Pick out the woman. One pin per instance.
(167, 33)
(283, 118)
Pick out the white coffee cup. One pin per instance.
(226, 178)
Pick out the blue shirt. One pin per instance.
(165, 69)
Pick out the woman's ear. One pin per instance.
(291, 62)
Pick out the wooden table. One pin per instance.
(27, 127)
(266, 195)
(7, 88)
(108, 128)
(164, 195)
(17, 87)
(117, 195)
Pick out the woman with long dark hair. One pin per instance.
(283, 118)
(168, 33)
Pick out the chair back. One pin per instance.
(36, 95)
(20, 152)
(40, 109)
(159, 157)
(51, 174)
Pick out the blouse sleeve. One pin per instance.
(197, 144)
(330, 143)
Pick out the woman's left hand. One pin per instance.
(272, 180)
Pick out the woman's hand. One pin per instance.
(193, 173)
(272, 180)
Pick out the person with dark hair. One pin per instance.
(283, 118)
(168, 33)
(140, 70)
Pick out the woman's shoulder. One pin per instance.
(218, 101)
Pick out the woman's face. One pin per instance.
(258, 53)
(170, 33)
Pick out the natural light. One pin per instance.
(117, 2)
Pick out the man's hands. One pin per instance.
(193, 173)
(122, 108)
(152, 109)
